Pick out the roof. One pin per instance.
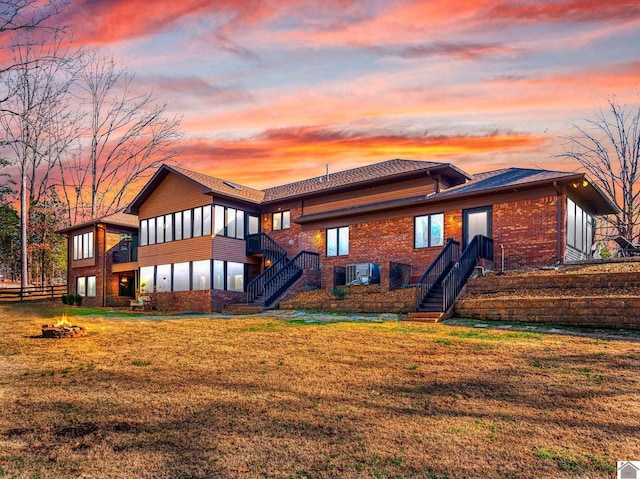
(491, 182)
(395, 169)
(115, 219)
(208, 184)
(516, 178)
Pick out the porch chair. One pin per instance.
(627, 248)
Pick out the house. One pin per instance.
(102, 259)
(205, 242)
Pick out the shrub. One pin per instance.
(71, 299)
(64, 299)
(338, 293)
(78, 299)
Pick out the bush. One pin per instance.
(78, 299)
(71, 299)
(64, 299)
(338, 293)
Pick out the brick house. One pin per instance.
(205, 242)
(102, 259)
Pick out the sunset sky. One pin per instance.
(272, 91)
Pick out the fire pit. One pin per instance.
(62, 329)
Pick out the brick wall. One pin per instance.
(182, 301)
(528, 230)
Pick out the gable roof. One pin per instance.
(386, 170)
(209, 185)
(115, 219)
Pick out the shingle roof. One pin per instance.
(217, 185)
(506, 177)
(115, 219)
(385, 169)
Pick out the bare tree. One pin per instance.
(128, 136)
(608, 147)
(38, 87)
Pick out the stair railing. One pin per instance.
(288, 274)
(429, 279)
(265, 245)
(256, 285)
(479, 247)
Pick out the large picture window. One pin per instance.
(338, 241)
(229, 222)
(186, 224)
(429, 230)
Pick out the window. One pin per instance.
(146, 279)
(181, 277)
(201, 275)
(86, 286)
(91, 286)
(338, 241)
(168, 227)
(229, 222)
(218, 220)
(163, 277)
(177, 232)
(160, 229)
(235, 276)
(206, 220)
(253, 224)
(197, 222)
(144, 233)
(81, 285)
(580, 227)
(152, 231)
(281, 220)
(429, 231)
(228, 276)
(186, 224)
(83, 246)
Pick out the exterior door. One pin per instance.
(476, 221)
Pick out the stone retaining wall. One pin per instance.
(596, 311)
(359, 299)
(498, 283)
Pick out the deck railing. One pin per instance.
(265, 245)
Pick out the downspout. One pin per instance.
(104, 262)
(560, 223)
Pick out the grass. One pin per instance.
(262, 397)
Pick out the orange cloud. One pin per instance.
(279, 156)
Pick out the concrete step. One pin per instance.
(243, 309)
(425, 316)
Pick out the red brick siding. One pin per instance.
(528, 229)
(182, 301)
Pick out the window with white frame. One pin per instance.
(429, 230)
(338, 241)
